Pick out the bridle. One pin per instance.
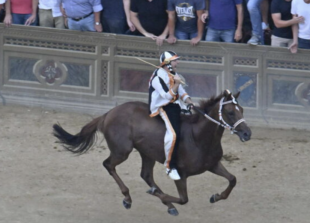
(222, 122)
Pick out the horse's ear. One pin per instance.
(227, 93)
(237, 94)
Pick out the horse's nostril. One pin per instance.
(246, 135)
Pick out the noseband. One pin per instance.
(222, 121)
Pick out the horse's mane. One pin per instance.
(204, 105)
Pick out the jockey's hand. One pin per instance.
(186, 112)
(190, 106)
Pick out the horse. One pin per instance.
(128, 126)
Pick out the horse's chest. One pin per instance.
(199, 163)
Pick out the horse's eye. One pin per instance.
(230, 113)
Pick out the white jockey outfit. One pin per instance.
(166, 103)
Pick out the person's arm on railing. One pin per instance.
(8, 16)
(294, 46)
(238, 32)
(33, 16)
(127, 13)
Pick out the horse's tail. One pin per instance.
(81, 142)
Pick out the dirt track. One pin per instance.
(42, 183)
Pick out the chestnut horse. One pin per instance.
(129, 126)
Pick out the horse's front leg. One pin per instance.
(183, 199)
(220, 170)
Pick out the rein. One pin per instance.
(222, 122)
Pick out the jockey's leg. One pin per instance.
(171, 116)
(220, 170)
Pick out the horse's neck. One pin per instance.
(207, 132)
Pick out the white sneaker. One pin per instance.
(255, 40)
(173, 174)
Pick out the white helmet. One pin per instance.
(166, 57)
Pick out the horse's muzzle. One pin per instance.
(244, 134)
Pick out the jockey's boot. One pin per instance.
(173, 174)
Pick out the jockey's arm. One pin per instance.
(158, 87)
(189, 101)
(184, 96)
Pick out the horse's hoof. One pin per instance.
(213, 198)
(152, 190)
(126, 204)
(173, 211)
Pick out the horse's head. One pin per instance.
(231, 115)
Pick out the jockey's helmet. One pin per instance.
(166, 57)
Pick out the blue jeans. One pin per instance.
(87, 24)
(216, 35)
(303, 43)
(118, 26)
(20, 19)
(184, 36)
(256, 18)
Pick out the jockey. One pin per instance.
(165, 95)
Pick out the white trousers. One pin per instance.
(170, 137)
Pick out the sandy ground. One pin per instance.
(41, 182)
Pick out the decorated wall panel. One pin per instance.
(93, 72)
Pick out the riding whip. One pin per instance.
(182, 78)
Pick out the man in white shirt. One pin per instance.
(50, 15)
(301, 31)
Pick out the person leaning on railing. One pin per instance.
(282, 35)
(223, 27)
(184, 20)
(21, 12)
(49, 15)
(115, 16)
(148, 22)
(83, 15)
(301, 31)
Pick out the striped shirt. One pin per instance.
(161, 93)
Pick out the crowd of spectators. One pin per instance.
(279, 23)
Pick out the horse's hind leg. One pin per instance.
(220, 170)
(110, 163)
(147, 176)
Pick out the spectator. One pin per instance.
(49, 15)
(21, 12)
(254, 8)
(83, 15)
(265, 12)
(222, 26)
(114, 16)
(301, 31)
(148, 21)
(266, 22)
(188, 24)
(2, 10)
(281, 14)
